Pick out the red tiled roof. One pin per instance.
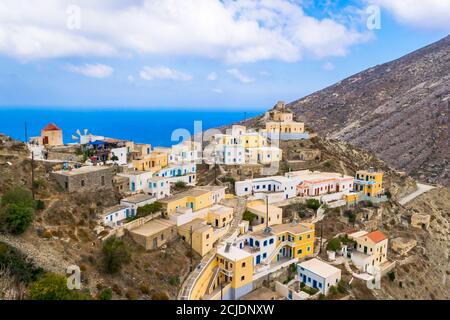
(51, 127)
(376, 236)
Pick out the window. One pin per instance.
(308, 236)
(300, 238)
(264, 255)
(243, 264)
(308, 249)
(299, 251)
(271, 241)
(265, 243)
(82, 183)
(242, 278)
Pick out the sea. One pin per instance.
(157, 127)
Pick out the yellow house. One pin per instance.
(369, 182)
(202, 235)
(371, 251)
(285, 127)
(259, 208)
(294, 240)
(220, 216)
(253, 140)
(235, 268)
(153, 162)
(195, 199)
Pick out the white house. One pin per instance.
(137, 201)
(275, 184)
(138, 179)
(158, 187)
(315, 183)
(186, 172)
(260, 245)
(318, 274)
(121, 154)
(115, 216)
(263, 155)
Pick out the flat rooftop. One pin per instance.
(195, 192)
(233, 254)
(134, 173)
(308, 175)
(297, 228)
(153, 227)
(138, 198)
(198, 225)
(319, 267)
(113, 209)
(262, 294)
(82, 170)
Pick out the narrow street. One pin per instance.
(232, 233)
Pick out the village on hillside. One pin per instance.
(257, 231)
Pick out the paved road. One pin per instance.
(421, 188)
(190, 281)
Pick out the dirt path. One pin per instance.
(421, 188)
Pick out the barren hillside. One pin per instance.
(399, 110)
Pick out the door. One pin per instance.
(217, 222)
(155, 243)
(258, 259)
(270, 187)
(284, 252)
(314, 283)
(365, 249)
(133, 187)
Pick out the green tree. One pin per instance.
(114, 254)
(53, 287)
(180, 185)
(313, 204)
(106, 294)
(149, 209)
(18, 196)
(17, 210)
(17, 219)
(334, 245)
(248, 216)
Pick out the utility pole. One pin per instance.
(267, 211)
(190, 232)
(321, 237)
(32, 173)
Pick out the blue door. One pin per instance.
(270, 187)
(284, 252)
(314, 284)
(258, 259)
(251, 242)
(304, 278)
(133, 187)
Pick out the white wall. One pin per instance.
(120, 153)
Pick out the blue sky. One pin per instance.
(199, 54)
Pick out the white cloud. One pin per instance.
(163, 73)
(232, 31)
(328, 66)
(212, 76)
(236, 73)
(432, 14)
(98, 71)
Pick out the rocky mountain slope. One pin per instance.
(399, 110)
